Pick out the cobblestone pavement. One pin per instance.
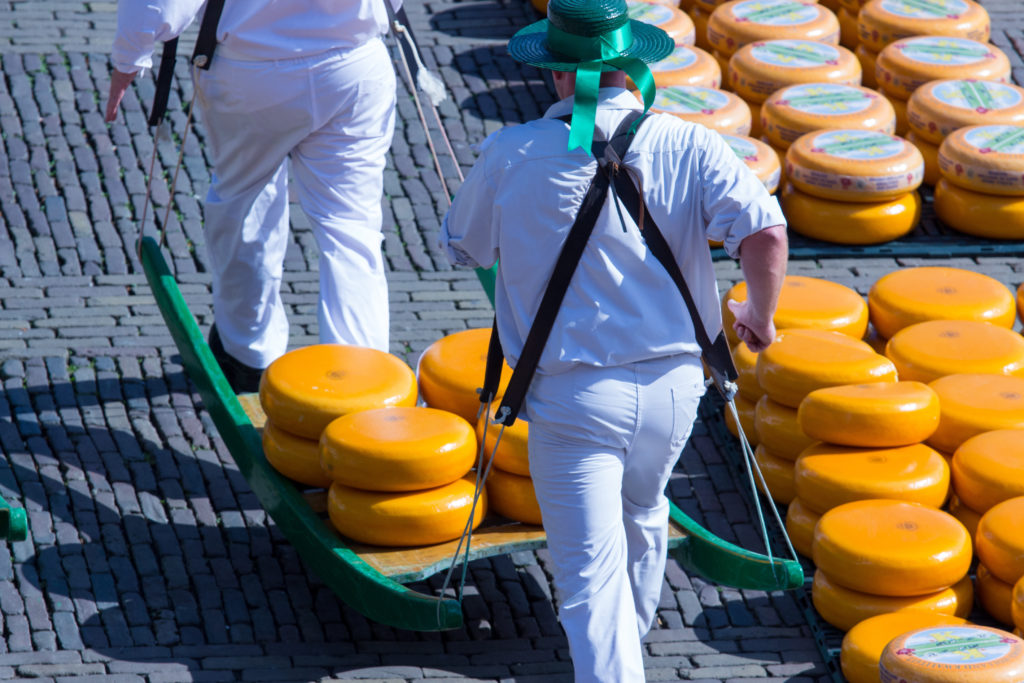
(149, 557)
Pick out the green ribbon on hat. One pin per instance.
(604, 49)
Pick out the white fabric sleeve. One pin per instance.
(141, 24)
(468, 231)
(735, 203)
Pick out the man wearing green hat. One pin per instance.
(619, 377)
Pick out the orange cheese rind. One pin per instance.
(735, 24)
(985, 159)
(880, 414)
(938, 108)
(967, 653)
(925, 351)
(881, 22)
(796, 110)
(971, 404)
(906, 64)
(760, 68)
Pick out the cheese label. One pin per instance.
(950, 649)
(742, 148)
(945, 51)
(859, 145)
(981, 96)
(690, 100)
(826, 99)
(997, 139)
(795, 53)
(650, 13)
(776, 12)
(925, 9)
(680, 58)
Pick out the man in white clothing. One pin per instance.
(307, 81)
(619, 378)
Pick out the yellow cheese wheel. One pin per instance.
(850, 222)
(867, 58)
(845, 608)
(850, 165)
(407, 518)
(1017, 606)
(994, 595)
(930, 154)
(685, 65)
(452, 369)
(848, 37)
(937, 108)
(700, 24)
(398, 449)
(965, 515)
(1000, 540)
(987, 159)
(294, 457)
(881, 22)
(953, 654)
(981, 215)
(760, 68)
(734, 24)
(926, 351)
(828, 475)
(902, 123)
(511, 495)
(745, 361)
(988, 469)
(891, 547)
(779, 430)
(778, 475)
(913, 295)
(809, 303)
(759, 158)
(799, 109)
(800, 522)
(745, 409)
(717, 109)
(305, 389)
(971, 404)
(671, 20)
(863, 644)
(880, 414)
(802, 360)
(907, 64)
(512, 455)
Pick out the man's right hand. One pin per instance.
(119, 82)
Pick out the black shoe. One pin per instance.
(242, 378)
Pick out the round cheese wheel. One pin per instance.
(987, 159)
(734, 24)
(994, 595)
(799, 109)
(512, 454)
(913, 295)
(671, 20)
(953, 654)
(926, 351)
(700, 24)
(758, 69)
(988, 469)
(876, 415)
(965, 515)
(1017, 605)
(845, 608)
(863, 644)
(745, 408)
(398, 449)
(827, 475)
(759, 158)
(981, 215)
(930, 154)
(807, 302)
(850, 165)
(800, 521)
(999, 540)
(303, 390)
(407, 518)
(802, 360)
(778, 475)
(937, 108)
(971, 404)
(686, 65)
(867, 59)
(881, 22)
(717, 109)
(780, 428)
(294, 457)
(850, 222)
(511, 495)
(745, 361)
(907, 64)
(891, 547)
(452, 369)
(848, 37)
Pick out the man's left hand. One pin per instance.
(119, 82)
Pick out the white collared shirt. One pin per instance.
(521, 198)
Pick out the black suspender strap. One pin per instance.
(163, 82)
(206, 41)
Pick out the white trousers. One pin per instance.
(332, 115)
(603, 442)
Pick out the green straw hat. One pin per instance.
(588, 37)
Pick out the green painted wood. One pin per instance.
(13, 522)
(355, 582)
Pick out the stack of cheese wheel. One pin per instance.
(304, 390)
(686, 65)
(982, 189)
(759, 158)
(987, 469)
(852, 186)
(400, 476)
(863, 644)
(716, 109)
(509, 487)
(967, 653)
(926, 351)
(760, 68)
(671, 20)
(999, 543)
(452, 369)
(878, 556)
(907, 64)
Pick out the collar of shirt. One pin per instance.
(608, 99)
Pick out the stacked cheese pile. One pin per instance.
(982, 188)
(686, 65)
(852, 186)
(759, 158)
(863, 644)
(716, 109)
(1000, 547)
(965, 653)
(665, 16)
(760, 68)
(509, 487)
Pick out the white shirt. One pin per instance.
(521, 198)
(251, 30)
